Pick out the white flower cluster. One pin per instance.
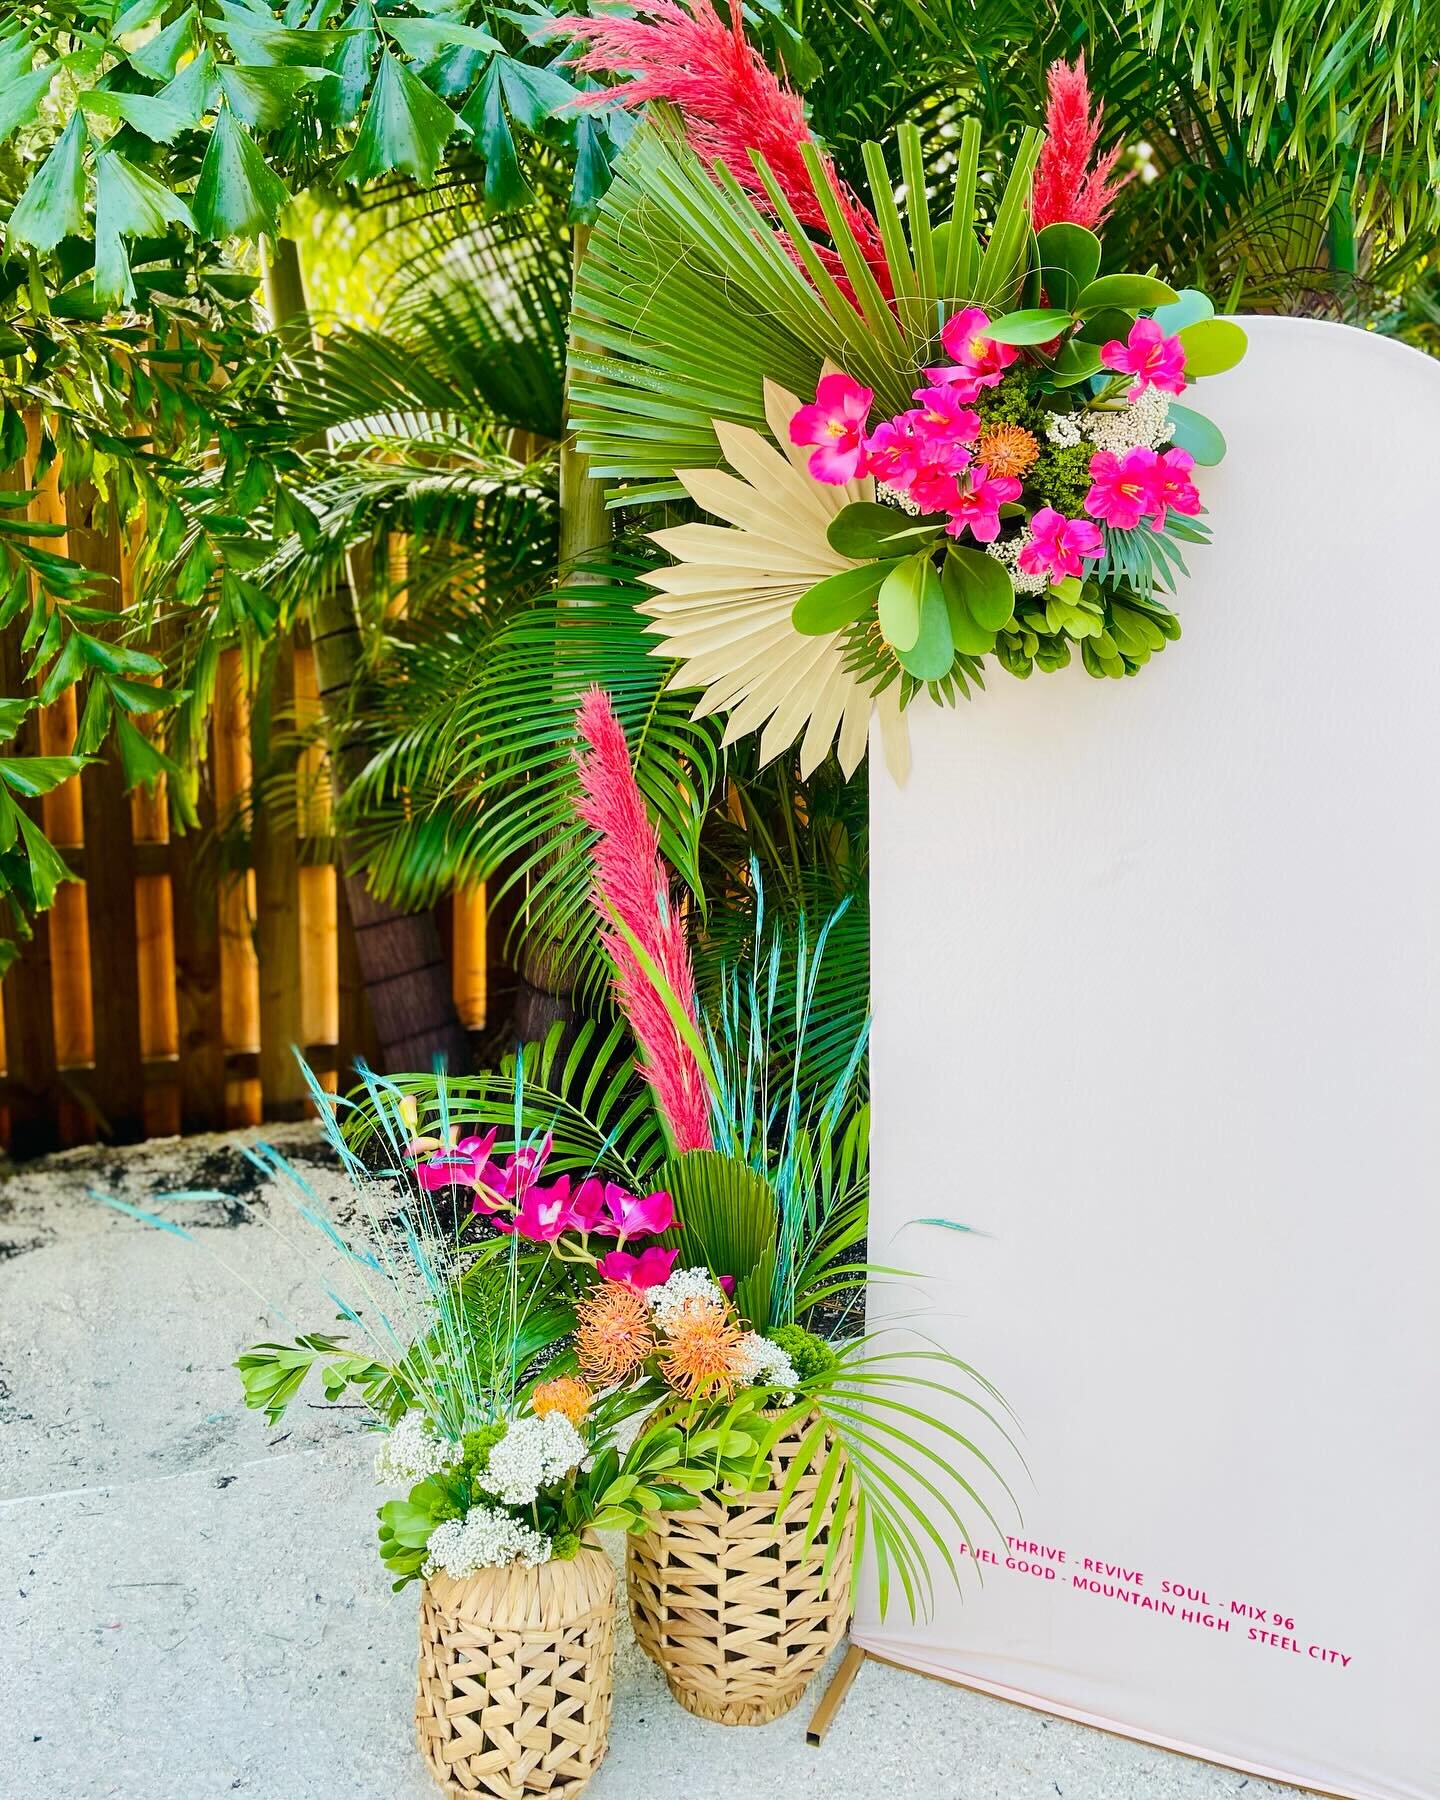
(893, 496)
(1006, 550)
(757, 1360)
(668, 1300)
(485, 1538)
(1145, 421)
(533, 1453)
(411, 1452)
(1063, 429)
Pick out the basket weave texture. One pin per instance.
(516, 1678)
(734, 1611)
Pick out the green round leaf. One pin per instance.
(934, 649)
(839, 600)
(982, 583)
(1212, 346)
(1191, 305)
(1076, 362)
(866, 530)
(1069, 259)
(1135, 293)
(1037, 327)
(899, 603)
(1197, 434)
(1110, 322)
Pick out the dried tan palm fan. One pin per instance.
(724, 614)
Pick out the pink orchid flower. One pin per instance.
(726, 1284)
(634, 1217)
(496, 1184)
(976, 505)
(978, 361)
(835, 424)
(1171, 488)
(589, 1204)
(544, 1214)
(1057, 546)
(1123, 487)
(647, 1270)
(462, 1164)
(1152, 358)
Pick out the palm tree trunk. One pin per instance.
(542, 998)
(406, 975)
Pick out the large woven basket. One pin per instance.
(733, 1609)
(516, 1677)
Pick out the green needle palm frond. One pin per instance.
(483, 744)
(479, 525)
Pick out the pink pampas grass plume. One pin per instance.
(728, 99)
(633, 884)
(1067, 188)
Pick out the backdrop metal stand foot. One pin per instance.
(833, 1698)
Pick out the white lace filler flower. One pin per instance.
(1145, 421)
(533, 1453)
(893, 496)
(1006, 550)
(1063, 429)
(758, 1360)
(485, 1538)
(412, 1452)
(669, 1299)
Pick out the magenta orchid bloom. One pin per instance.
(1171, 488)
(978, 361)
(496, 1184)
(647, 1270)
(1124, 487)
(835, 424)
(1059, 547)
(461, 1165)
(544, 1214)
(1152, 358)
(726, 1284)
(976, 505)
(634, 1217)
(588, 1206)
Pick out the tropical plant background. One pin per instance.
(287, 291)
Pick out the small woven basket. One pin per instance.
(517, 1677)
(733, 1609)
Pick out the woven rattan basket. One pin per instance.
(734, 1612)
(516, 1677)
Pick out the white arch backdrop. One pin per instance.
(1157, 1006)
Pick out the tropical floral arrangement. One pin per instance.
(996, 461)
(681, 1259)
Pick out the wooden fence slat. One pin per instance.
(29, 1006)
(119, 1085)
(200, 1014)
(357, 1040)
(275, 852)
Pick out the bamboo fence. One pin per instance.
(162, 993)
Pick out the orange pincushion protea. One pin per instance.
(701, 1353)
(613, 1335)
(1007, 449)
(567, 1395)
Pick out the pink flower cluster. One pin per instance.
(510, 1194)
(927, 453)
(1141, 484)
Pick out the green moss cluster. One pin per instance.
(810, 1356)
(477, 1446)
(1061, 478)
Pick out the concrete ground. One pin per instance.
(190, 1602)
